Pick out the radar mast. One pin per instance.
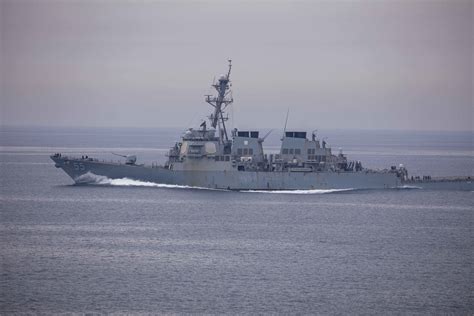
(221, 101)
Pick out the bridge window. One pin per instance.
(297, 151)
(246, 151)
(250, 151)
(194, 149)
(254, 134)
(290, 151)
(285, 151)
(243, 134)
(239, 151)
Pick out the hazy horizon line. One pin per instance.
(265, 128)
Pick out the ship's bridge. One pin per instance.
(198, 143)
(200, 135)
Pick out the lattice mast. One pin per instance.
(221, 101)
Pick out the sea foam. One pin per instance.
(93, 179)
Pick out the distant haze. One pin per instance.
(352, 64)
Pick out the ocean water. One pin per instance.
(131, 247)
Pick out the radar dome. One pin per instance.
(222, 77)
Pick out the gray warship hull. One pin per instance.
(87, 170)
(211, 158)
(81, 170)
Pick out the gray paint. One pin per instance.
(230, 179)
(208, 158)
(236, 180)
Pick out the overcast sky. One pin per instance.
(348, 64)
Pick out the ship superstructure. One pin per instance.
(214, 149)
(214, 157)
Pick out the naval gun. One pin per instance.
(129, 159)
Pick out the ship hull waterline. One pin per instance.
(229, 179)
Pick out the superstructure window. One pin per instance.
(297, 151)
(250, 151)
(290, 151)
(246, 151)
(285, 151)
(239, 151)
(295, 134)
(194, 149)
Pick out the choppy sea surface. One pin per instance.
(131, 247)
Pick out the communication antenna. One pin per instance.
(230, 67)
(266, 135)
(124, 156)
(286, 122)
(232, 110)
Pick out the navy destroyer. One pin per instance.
(218, 158)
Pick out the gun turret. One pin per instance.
(129, 160)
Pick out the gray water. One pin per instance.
(132, 248)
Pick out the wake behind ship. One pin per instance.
(214, 157)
